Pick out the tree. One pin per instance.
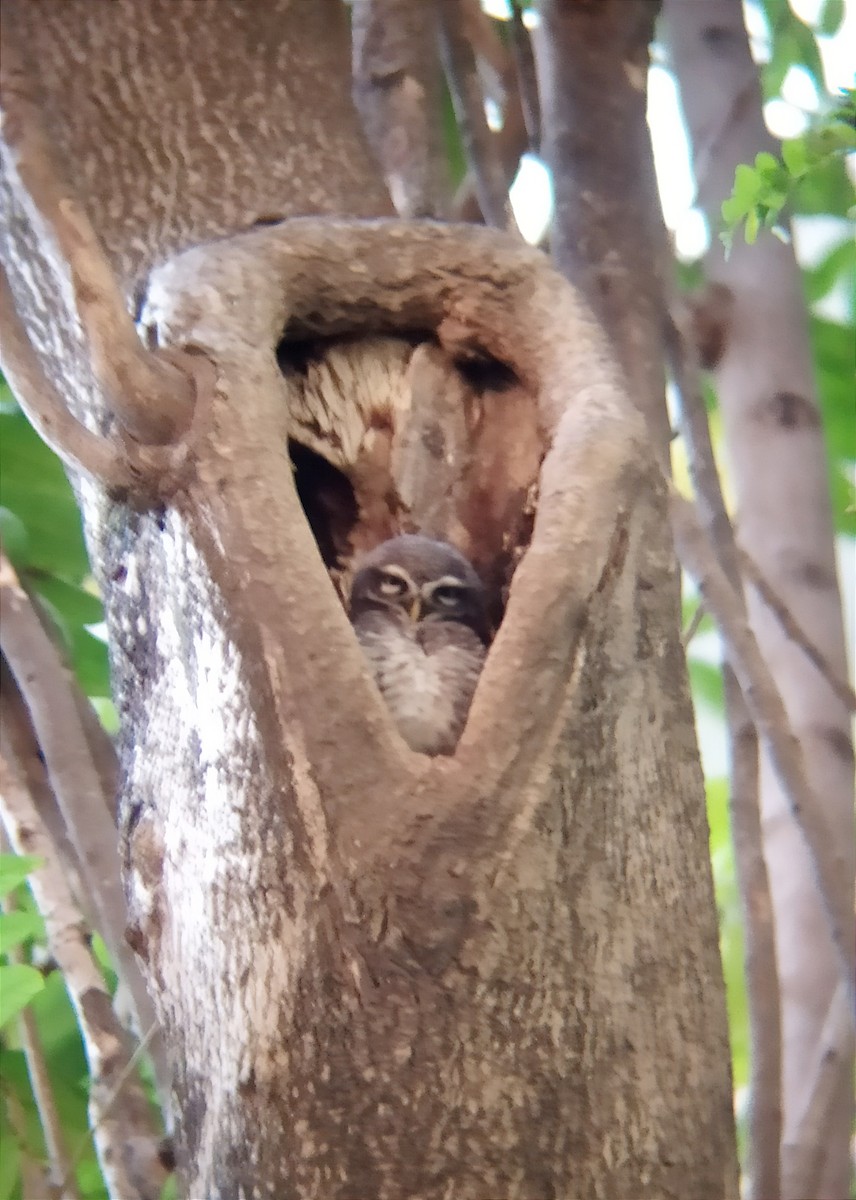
(377, 973)
(770, 407)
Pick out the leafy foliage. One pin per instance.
(763, 190)
(41, 532)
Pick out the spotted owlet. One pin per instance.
(419, 612)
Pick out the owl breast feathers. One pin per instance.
(418, 609)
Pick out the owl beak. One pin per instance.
(416, 609)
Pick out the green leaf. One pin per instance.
(838, 265)
(170, 1189)
(13, 535)
(767, 165)
(18, 985)
(9, 1159)
(19, 927)
(75, 604)
(105, 962)
(34, 487)
(826, 188)
(8, 403)
(795, 156)
(843, 495)
(59, 1033)
(831, 16)
(752, 227)
(107, 713)
(91, 662)
(834, 353)
(14, 869)
(717, 814)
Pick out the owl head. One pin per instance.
(418, 579)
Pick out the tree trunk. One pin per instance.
(774, 441)
(379, 974)
(608, 238)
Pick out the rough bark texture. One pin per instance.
(381, 975)
(773, 436)
(397, 88)
(607, 237)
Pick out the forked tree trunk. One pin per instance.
(381, 974)
(774, 441)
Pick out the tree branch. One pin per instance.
(459, 63)
(763, 1166)
(395, 84)
(510, 140)
(835, 1053)
(125, 1138)
(74, 778)
(58, 1158)
(527, 77)
(769, 715)
(34, 1177)
(795, 631)
(760, 964)
(151, 398)
(77, 446)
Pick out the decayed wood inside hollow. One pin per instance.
(392, 435)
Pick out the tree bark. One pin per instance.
(609, 238)
(773, 437)
(380, 974)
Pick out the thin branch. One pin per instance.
(462, 75)
(77, 446)
(151, 398)
(511, 138)
(795, 631)
(126, 1139)
(34, 1177)
(396, 83)
(692, 626)
(527, 78)
(835, 1054)
(763, 1166)
(510, 144)
(50, 699)
(111, 1101)
(61, 1178)
(769, 714)
(760, 963)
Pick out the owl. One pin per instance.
(419, 611)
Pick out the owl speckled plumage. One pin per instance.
(419, 612)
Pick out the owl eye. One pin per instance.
(447, 595)
(392, 585)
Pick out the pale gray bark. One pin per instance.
(775, 446)
(124, 1132)
(397, 82)
(764, 1122)
(380, 974)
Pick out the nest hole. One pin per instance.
(483, 373)
(328, 500)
